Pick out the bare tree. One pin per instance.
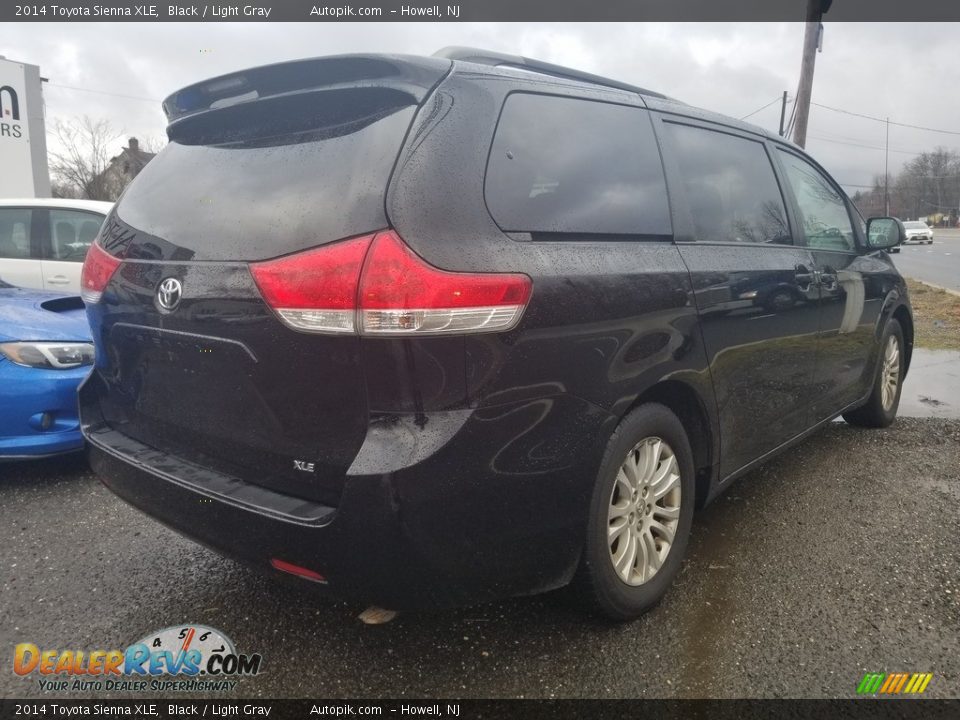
(153, 144)
(59, 190)
(877, 195)
(79, 165)
(930, 183)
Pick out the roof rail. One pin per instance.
(495, 59)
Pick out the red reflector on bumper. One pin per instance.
(303, 572)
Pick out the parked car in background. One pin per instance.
(917, 232)
(43, 241)
(430, 331)
(45, 351)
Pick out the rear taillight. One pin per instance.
(98, 268)
(376, 285)
(315, 290)
(402, 294)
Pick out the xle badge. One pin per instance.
(303, 465)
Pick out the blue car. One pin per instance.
(45, 352)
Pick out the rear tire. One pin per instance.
(880, 410)
(640, 514)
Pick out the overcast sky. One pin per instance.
(907, 72)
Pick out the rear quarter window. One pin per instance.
(572, 166)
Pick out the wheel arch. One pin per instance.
(903, 315)
(687, 404)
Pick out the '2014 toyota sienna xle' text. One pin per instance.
(430, 331)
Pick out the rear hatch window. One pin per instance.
(265, 179)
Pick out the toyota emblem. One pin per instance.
(168, 294)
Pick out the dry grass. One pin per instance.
(936, 317)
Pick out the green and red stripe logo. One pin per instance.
(899, 683)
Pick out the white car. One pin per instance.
(918, 232)
(43, 241)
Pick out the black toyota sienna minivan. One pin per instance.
(432, 331)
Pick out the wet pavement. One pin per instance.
(836, 559)
(932, 387)
(938, 263)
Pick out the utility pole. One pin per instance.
(811, 38)
(886, 173)
(783, 112)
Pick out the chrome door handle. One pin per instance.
(828, 277)
(804, 276)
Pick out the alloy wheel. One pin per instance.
(644, 511)
(890, 376)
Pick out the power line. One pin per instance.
(870, 147)
(936, 205)
(827, 135)
(884, 120)
(853, 144)
(103, 92)
(776, 99)
(935, 177)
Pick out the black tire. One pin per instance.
(602, 588)
(873, 414)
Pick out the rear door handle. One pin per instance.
(805, 276)
(59, 280)
(828, 278)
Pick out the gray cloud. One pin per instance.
(905, 71)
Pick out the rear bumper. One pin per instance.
(467, 520)
(199, 505)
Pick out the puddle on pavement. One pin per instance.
(932, 388)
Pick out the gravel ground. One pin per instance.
(838, 558)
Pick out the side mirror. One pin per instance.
(884, 233)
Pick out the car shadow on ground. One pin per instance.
(45, 470)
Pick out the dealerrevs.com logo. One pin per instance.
(182, 658)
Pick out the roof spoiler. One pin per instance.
(415, 75)
(495, 59)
